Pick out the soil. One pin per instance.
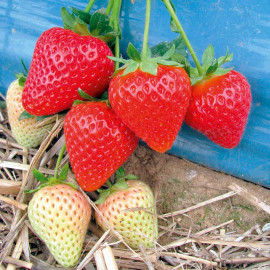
(179, 183)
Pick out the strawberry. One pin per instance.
(221, 98)
(60, 214)
(64, 61)
(97, 143)
(129, 207)
(27, 132)
(219, 108)
(151, 97)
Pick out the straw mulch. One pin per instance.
(215, 247)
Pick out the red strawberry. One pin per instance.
(64, 61)
(97, 143)
(219, 108)
(153, 106)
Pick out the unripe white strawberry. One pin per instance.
(130, 211)
(28, 132)
(60, 215)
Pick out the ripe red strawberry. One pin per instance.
(27, 132)
(60, 215)
(153, 106)
(118, 209)
(219, 108)
(64, 61)
(97, 143)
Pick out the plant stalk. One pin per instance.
(109, 7)
(183, 34)
(114, 22)
(146, 29)
(60, 157)
(89, 6)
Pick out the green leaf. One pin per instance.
(85, 16)
(64, 172)
(149, 67)
(80, 27)
(222, 71)
(30, 191)
(208, 55)
(120, 173)
(117, 59)
(86, 96)
(42, 117)
(196, 79)
(99, 21)
(68, 19)
(224, 59)
(21, 78)
(182, 61)
(77, 102)
(212, 68)
(119, 185)
(105, 95)
(25, 115)
(131, 177)
(103, 196)
(3, 104)
(131, 68)
(22, 81)
(161, 48)
(71, 185)
(169, 53)
(40, 176)
(133, 52)
(168, 63)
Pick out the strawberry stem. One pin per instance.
(109, 7)
(89, 5)
(183, 34)
(114, 22)
(146, 29)
(60, 157)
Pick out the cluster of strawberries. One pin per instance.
(149, 98)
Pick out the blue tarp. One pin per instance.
(243, 26)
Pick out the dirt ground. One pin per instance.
(179, 183)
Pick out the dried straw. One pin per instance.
(213, 247)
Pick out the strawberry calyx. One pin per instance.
(148, 64)
(21, 76)
(51, 180)
(119, 184)
(56, 179)
(96, 24)
(103, 98)
(211, 66)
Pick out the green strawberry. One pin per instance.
(59, 214)
(129, 207)
(27, 132)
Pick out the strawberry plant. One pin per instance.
(98, 142)
(27, 132)
(151, 94)
(220, 99)
(129, 207)
(72, 57)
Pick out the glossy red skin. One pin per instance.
(219, 108)
(98, 143)
(152, 106)
(64, 61)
